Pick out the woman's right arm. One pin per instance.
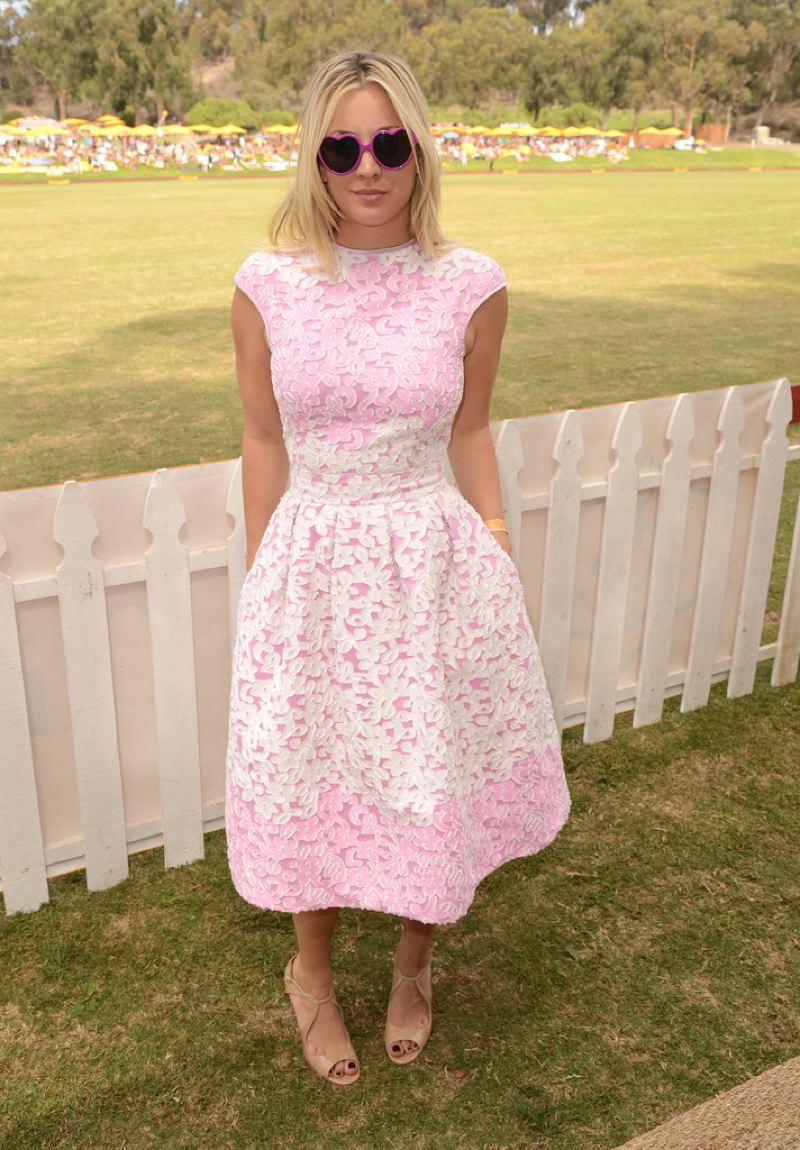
(265, 462)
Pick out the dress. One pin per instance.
(391, 737)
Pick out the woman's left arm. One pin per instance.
(471, 450)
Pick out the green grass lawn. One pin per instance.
(645, 960)
(117, 298)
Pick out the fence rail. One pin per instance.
(644, 533)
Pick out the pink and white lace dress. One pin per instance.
(391, 737)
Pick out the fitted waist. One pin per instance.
(355, 486)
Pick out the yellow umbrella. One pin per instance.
(549, 130)
(177, 130)
(144, 130)
(614, 132)
(478, 130)
(671, 131)
(588, 130)
(48, 130)
(651, 131)
(201, 129)
(227, 130)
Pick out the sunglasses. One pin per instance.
(391, 149)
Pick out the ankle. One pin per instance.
(315, 979)
(413, 954)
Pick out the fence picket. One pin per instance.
(787, 653)
(169, 608)
(665, 566)
(715, 557)
(22, 863)
(761, 543)
(561, 545)
(87, 655)
(612, 581)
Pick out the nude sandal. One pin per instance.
(393, 1033)
(320, 1063)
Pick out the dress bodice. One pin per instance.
(367, 370)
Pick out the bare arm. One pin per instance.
(471, 451)
(265, 462)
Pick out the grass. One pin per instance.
(117, 298)
(644, 961)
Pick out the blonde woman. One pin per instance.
(391, 737)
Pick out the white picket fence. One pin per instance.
(644, 534)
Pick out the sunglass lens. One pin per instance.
(340, 155)
(393, 149)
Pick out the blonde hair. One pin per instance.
(308, 217)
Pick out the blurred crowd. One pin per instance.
(77, 152)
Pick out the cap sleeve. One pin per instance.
(484, 277)
(254, 278)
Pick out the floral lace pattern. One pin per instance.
(391, 737)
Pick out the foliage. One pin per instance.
(217, 111)
(710, 60)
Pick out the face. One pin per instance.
(380, 221)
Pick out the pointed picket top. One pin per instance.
(74, 524)
(163, 506)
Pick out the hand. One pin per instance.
(504, 539)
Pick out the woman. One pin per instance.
(391, 738)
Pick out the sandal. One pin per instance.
(320, 1063)
(393, 1033)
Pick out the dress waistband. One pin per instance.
(345, 487)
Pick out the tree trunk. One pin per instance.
(727, 124)
(687, 121)
(61, 96)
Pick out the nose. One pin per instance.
(369, 165)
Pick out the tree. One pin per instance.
(775, 51)
(142, 59)
(468, 60)
(614, 55)
(57, 46)
(696, 40)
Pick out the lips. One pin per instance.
(370, 195)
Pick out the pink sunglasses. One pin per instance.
(391, 149)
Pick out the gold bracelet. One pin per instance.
(497, 525)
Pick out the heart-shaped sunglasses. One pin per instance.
(392, 149)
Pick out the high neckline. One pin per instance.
(375, 251)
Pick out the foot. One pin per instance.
(328, 1031)
(407, 1007)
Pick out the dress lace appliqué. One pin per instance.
(391, 737)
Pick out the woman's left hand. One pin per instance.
(504, 540)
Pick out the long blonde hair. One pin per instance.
(308, 217)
